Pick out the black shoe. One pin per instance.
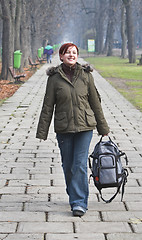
(78, 213)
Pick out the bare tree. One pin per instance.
(25, 36)
(123, 32)
(137, 17)
(130, 31)
(100, 13)
(8, 16)
(110, 28)
(17, 25)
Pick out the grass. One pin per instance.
(116, 67)
(134, 84)
(117, 70)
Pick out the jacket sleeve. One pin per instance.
(47, 111)
(95, 103)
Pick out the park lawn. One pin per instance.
(125, 77)
(116, 67)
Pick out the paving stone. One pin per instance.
(99, 227)
(121, 216)
(47, 176)
(43, 190)
(136, 169)
(124, 236)
(67, 216)
(45, 227)
(132, 197)
(22, 216)
(37, 171)
(7, 227)
(2, 183)
(137, 227)
(24, 198)
(78, 236)
(46, 206)
(11, 190)
(17, 170)
(134, 190)
(11, 206)
(14, 176)
(27, 165)
(132, 183)
(136, 175)
(101, 206)
(17, 236)
(28, 182)
(134, 206)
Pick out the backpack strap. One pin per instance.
(90, 166)
(125, 156)
(101, 138)
(125, 175)
(124, 180)
(108, 201)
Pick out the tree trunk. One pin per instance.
(5, 42)
(8, 15)
(123, 33)
(25, 36)
(130, 31)
(100, 26)
(110, 37)
(17, 26)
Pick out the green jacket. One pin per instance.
(77, 104)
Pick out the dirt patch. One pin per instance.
(118, 83)
(122, 83)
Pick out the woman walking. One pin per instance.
(71, 91)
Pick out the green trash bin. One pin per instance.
(39, 52)
(42, 50)
(17, 59)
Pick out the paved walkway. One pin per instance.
(33, 202)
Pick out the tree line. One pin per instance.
(116, 19)
(28, 25)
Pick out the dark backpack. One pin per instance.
(48, 51)
(106, 167)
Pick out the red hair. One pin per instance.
(63, 49)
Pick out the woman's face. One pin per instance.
(70, 57)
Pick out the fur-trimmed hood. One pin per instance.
(87, 68)
(52, 70)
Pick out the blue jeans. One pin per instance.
(49, 58)
(74, 149)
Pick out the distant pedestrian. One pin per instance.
(71, 90)
(48, 50)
